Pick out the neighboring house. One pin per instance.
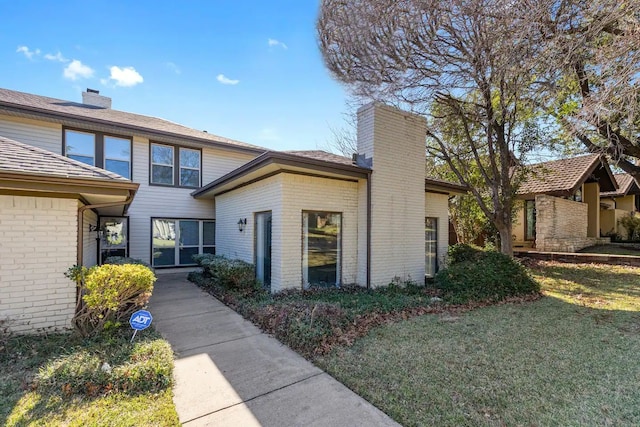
(615, 205)
(303, 217)
(561, 204)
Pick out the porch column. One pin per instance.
(591, 196)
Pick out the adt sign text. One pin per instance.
(140, 320)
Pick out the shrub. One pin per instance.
(491, 276)
(121, 260)
(232, 274)
(461, 252)
(632, 224)
(110, 294)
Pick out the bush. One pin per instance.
(110, 294)
(632, 224)
(231, 274)
(486, 276)
(121, 260)
(461, 252)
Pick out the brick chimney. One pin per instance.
(392, 142)
(92, 97)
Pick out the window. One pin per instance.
(321, 248)
(161, 164)
(112, 153)
(431, 246)
(530, 220)
(114, 239)
(175, 241)
(177, 166)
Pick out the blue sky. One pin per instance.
(248, 70)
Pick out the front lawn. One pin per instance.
(61, 379)
(570, 358)
(612, 249)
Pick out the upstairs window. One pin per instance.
(175, 166)
(109, 152)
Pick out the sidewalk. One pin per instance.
(228, 373)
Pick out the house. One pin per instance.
(561, 204)
(615, 205)
(302, 217)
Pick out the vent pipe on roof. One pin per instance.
(92, 97)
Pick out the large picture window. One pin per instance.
(321, 248)
(175, 166)
(112, 153)
(431, 246)
(175, 241)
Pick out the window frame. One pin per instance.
(176, 256)
(176, 165)
(99, 159)
(437, 238)
(339, 244)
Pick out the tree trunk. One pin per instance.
(506, 240)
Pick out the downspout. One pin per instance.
(80, 245)
(369, 229)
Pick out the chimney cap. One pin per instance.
(89, 90)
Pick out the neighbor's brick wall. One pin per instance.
(38, 245)
(561, 225)
(437, 205)
(395, 141)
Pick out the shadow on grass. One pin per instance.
(51, 374)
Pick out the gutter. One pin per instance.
(80, 244)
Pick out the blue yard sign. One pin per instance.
(140, 320)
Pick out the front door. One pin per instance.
(114, 237)
(263, 248)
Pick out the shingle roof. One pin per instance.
(558, 176)
(625, 183)
(18, 157)
(46, 105)
(322, 155)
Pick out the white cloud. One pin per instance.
(226, 80)
(27, 52)
(57, 57)
(173, 67)
(77, 70)
(269, 134)
(125, 77)
(274, 42)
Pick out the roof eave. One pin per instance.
(18, 108)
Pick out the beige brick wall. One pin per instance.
(38, 245)
(395, 140)
(286, 196)
(561, 225)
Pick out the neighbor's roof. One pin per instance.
(563, 176)
(626, 185)
(28, 105)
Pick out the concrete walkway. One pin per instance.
(228, 373)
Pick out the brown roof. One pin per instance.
(441, 184)
(22, 158)
(59, 109)
(563, 176)
(625, 184)
(322, 155)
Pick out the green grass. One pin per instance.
(56, 380)
(570, 358)
(612, 249)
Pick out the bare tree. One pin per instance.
(456, 62)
